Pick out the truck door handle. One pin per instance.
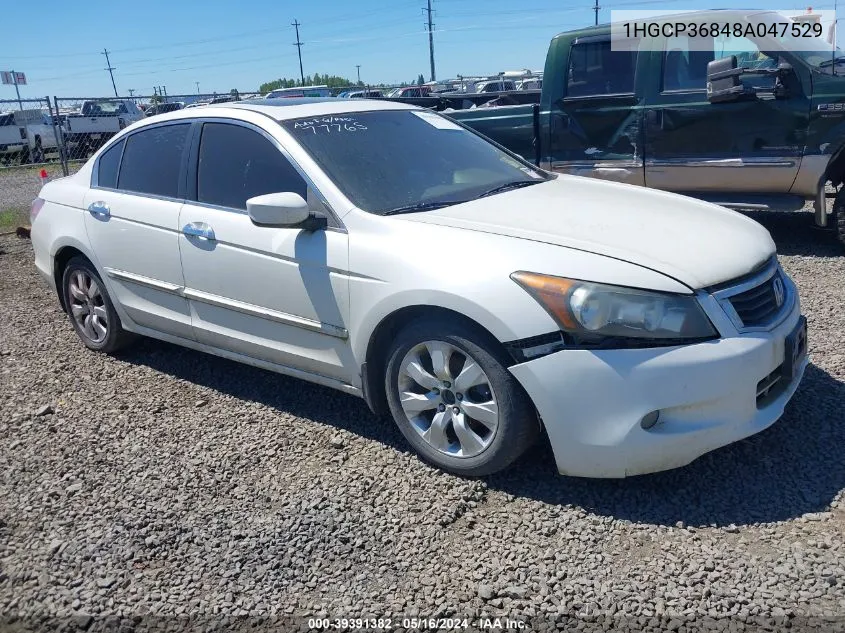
(655, 118)
(99, 210)
(198, 229)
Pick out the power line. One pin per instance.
(298, 45)
(430, 39)
(111, 71)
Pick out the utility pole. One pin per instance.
(358, 66)
(110, 69)
(298, 45)
(431, 40)
(596, 9)
(198, 86)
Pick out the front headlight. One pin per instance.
(593, 311)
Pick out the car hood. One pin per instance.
(697, 243)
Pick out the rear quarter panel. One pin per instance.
(60, 223)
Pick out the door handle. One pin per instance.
(99, 210)
(198, 229)
(655, 118)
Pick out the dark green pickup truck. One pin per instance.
(755, 125)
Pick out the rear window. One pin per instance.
(595, 69)
(104, 108)
(7, 119)
(152, 160)
(108, 165)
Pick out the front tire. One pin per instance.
(90, 308)
(452, 397)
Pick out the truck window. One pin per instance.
(685, 69)
(595, 69)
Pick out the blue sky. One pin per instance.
(225, 44)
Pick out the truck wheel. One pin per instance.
(837, 218)
(37, 155)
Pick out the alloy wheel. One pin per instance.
(87, 306)
(448, 399)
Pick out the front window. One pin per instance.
(685, 62)
(387, 161)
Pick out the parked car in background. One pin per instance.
(27, 135)
(161, 108)
(495, 85)
(410, 91)
(365, 94)
(530, 84)
(97, 121)
(12, 138)
(759, 127)
(641, 329)
(306, 91)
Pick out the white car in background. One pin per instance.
(27, 134)
(457, 288)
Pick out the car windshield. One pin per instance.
(392, 160)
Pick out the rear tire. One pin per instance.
(90, 308)
(37, 155)
(451, 395)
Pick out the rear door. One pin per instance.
(596, 127)
(132, 222)
(271, 293)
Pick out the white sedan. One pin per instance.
(388, 252)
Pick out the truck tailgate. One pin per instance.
(77, 124)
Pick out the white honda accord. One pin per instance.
(388, 252)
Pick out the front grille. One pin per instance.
(758, 305)
(770, 387)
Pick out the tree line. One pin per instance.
(332, 81)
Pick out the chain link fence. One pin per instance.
(29, 132)
(87, 123)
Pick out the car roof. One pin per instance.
(292, 108)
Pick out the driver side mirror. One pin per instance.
(284, 209)
(723, 81)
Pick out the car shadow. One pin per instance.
(252, 384)
(795, 234)
(791, 469)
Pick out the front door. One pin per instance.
(596, 127)
(132, 221)
(275, 294)
(695, 146)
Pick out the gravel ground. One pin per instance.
(166, 483)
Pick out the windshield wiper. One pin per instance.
(422, 206)
(517, 184)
